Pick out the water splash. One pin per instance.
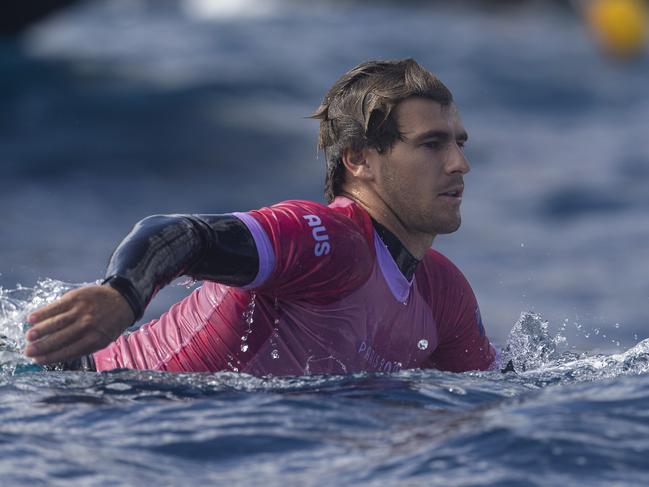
(530, 345)
(187, 282)
(15, 305)
(584, 367)
(541, 359)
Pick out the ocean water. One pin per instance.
(563, 418)
(114, 110)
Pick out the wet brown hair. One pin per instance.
(357, 111)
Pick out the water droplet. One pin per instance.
(596, 331)
(635, 336)
(274, 354)
(422, 344)
(244, 338)
(276, 321)
(617, 325)
(522, 244)
(457, 390)
(244, 348)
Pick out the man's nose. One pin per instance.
(457, 161)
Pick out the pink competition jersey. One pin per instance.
(328, 298)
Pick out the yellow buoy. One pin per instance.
(620, 26)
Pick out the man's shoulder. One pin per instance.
(343, 210)
(315, 252)
(441, 270)
(434, 258)
(296, 203)
(339, 205)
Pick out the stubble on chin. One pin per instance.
(442, 225)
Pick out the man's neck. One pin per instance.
(416, 243)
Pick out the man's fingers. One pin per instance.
(59, 340)
(51, 325)
(86, 344)
(83, 321)
(57, 307)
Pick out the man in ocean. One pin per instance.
(299, 287)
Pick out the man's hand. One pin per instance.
(82, 321)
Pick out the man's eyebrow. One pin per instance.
(438, 134)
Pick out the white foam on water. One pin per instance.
(536, 354)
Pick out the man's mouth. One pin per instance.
(455, 192)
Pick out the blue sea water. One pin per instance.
(563, 418)
(114, 110)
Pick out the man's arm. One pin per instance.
(161, 248)
(158, 249)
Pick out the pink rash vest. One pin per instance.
(328, 299)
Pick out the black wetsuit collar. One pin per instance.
(406, 262)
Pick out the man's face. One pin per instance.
(421, 177)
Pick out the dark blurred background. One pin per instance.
(114, 110)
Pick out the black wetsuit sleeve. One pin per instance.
(162, 247)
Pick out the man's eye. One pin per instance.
(434, 144)
(461, 143)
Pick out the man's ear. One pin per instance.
(359, 163)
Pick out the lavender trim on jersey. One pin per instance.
(397, 282)
(264, 249)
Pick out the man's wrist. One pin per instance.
(125, 287)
